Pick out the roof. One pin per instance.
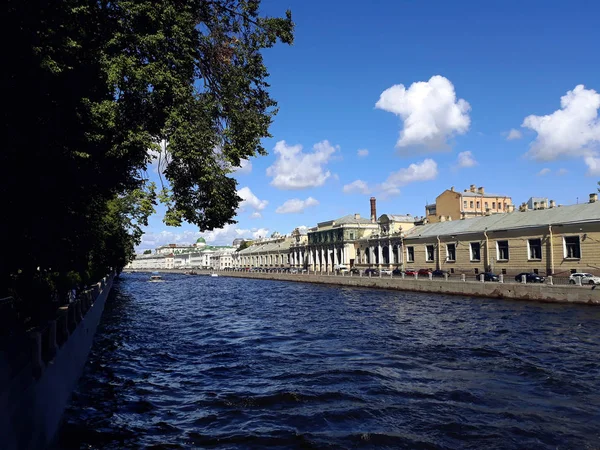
(283, 245)
(200, 240)
(585, 212)
(486, 194)
(402, 217)
(345, 220)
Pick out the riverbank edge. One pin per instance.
(33, 400)
(513, 291)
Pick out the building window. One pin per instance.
(476, 270)
(475, 251)
(451, 269)
(536, 271)
(351, 235)
(477, 205)
(451, 252)
(486, 205)
(503, 271)
(493, 205)
(502, 248)
(465, 204)
(471, 203)
(572, 247)
(535, 249)
(410, 254)
(430, 253)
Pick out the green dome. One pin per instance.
(200, 240)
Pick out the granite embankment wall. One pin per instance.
(38, 373)
(516, 291)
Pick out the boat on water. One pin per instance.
(214, 274)
(155, 279)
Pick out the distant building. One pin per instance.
(237, 242)
(537, 203)
(472, 202)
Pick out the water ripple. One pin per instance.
(233, 363)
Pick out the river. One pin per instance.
(203, 362)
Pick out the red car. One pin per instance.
(410, 272)
(424, 272)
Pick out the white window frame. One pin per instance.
(498, 250)
(565, 247)
(408, 253)
(448, 252)
(529, 255)
(427, 253)
(471, 251)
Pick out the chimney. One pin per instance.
(481, 190)
(543, 204)
(535, 205)
(523, 207)
(552, 204)
(472, 188)
(449, 218)
(593, 198)
(356, 216)
(373, 210)
(511, 208)
(452, 188)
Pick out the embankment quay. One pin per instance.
(541, 292)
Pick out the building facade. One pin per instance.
(472, 202)
(552, 241)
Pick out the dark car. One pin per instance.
(355, 271)
(396, 272)
(373, 272)
(424, 272)
(440, 273)
(530, 277)
(489, 276)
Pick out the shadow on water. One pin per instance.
(234, 363)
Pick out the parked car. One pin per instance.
(530, 277)
(424, 272)
(396, 272)
(373, 272)
(386, 271)
(440, 273)
(410, 272)
(586, 278)
(293, 270)
(355, 271)
(340, 268)
(489, 276)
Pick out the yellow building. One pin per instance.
(554, 241)
(472, 202)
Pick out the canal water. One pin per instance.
(201, 362)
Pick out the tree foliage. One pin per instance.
(95, 85)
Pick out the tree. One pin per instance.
(98, 84)
(243, 245)
(147, 252)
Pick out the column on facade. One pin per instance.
(322, 259)
(380, 251)
(345, 255)
(335, 256)
(391, 253)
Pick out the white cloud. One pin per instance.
(430, 112)
(562, 172)
(256, 215)
(356, 187)
(220, 236)
(245, 167)
(465, 159)
(295, 205)
(513, 135)
(573, 130)
(424, 171)
(249, 199)
(362, 152)
(593, 163)
(295, 169)
(544, 171)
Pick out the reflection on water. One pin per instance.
(237, 363)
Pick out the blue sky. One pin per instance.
(471, 72)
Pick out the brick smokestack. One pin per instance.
(373, 210)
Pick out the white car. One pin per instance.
(586, 278)
(386, 271)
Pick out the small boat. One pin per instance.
(214, 274)
(155, 279)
